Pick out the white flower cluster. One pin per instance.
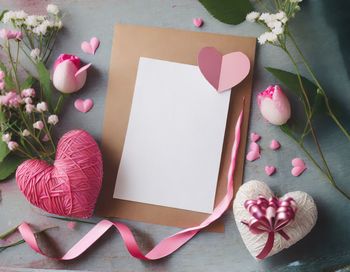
(38, 24)
(274, 22)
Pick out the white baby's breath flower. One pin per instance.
(53, 9)
(41, 107)
(35, 53)
(20, 15)
(262, 38)
(8, 17)
(53, 119)
(252, 16)
(295, 1)
(32, 21)
(29, 108)
(39, 125)
(27, 100)
(42, 28)
(6, 137)
(266, 17)
(25, 133)
(58, 24)
(12, 145)
(278, 30)
(271, 37)
(280, 15)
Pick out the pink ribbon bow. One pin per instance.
(269, 216)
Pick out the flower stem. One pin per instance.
(330, 111)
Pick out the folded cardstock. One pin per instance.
(131, 43)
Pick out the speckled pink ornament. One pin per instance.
(70, 186)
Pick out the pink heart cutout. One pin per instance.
(298, 167)
(84, 105)
(254, 137)
(198, 22)
(70, 186)
(223, 72)
(90, 47)
(270, 170)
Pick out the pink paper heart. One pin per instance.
(70, 186)
(254, 137)
(223, 72)
(198, 22)
(298, 167)
(90, 47)
(275, 145)
(270, 170)
(84, 105)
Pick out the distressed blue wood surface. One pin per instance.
(321, 28)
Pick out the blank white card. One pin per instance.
(174, 140)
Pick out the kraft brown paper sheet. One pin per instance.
(129, 44)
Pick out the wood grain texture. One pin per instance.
(326, 248)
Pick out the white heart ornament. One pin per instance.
(304, 220)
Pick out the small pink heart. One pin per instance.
(223, 72)
(198, 22)
(90, 47)
(254, 147)
(298, 167)
(84, 105)
(270, 170)
(253, 155)
(275, 145)
(254, 137)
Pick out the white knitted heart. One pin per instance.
(304, 221)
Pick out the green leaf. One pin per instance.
(231, 12)
(45, 82)
(4, 151)
(9, 165)
(291, 81)
(2, 14)
(28, 82)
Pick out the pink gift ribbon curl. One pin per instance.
(269, 216)
(166, 246)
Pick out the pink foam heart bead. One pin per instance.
(254, 137)
(84, 105)
(274, 145)
(298, 167)
(198, 22)
(70, 186)
(223, 71)
(270, 170)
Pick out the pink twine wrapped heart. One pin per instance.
(71, 185)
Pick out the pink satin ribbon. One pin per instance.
(270, 216)
(166, 246)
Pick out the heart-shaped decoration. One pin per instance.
(84, 105)
(254, 152)
(223, 72)
(274, 145)
(270, 170)
(198, 22)
(304, 219)
(70, 186)
(90, 47)
(298, 167)
(254, 137)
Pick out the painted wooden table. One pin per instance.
(322, 27)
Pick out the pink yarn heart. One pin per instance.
(70, 186)
(270, 170)
(275, 145)
(254, 137)
(254, 152)
(223, 71)
(90, 47)
(298, 167)
(198, 22)
(84, 105)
